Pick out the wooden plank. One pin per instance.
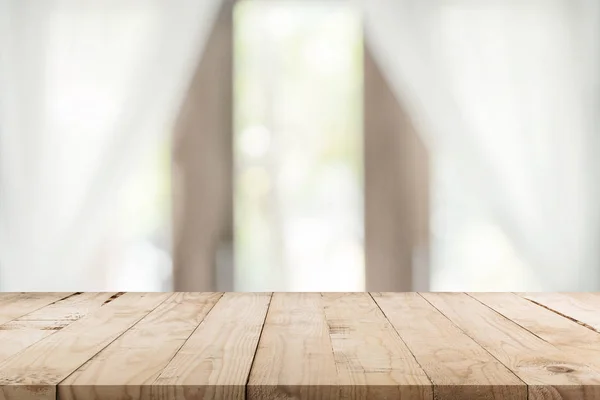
(582, 307)
(562, 332)
(458, 367)
(130, 364)
(13, 306)
(294, 357)
(22, 332)
(548, 372)
(36, 371)
(15, 336)
(371, 359)
(71, 308)
(25, 325)
(215, 361)
(6, 297)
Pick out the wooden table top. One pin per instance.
(75, 346)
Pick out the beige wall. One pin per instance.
(396, 191)
(203, 168)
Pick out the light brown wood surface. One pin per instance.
(136, 358)
(457, 366)
(580, 307)
(159, 346)
(35, 372)
(371, 363)
(15, 305)
(561, 332)
(549, 372)
(294, 357)
(215, 361)
(30, 328)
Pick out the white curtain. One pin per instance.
(85, 88)
(506, 94)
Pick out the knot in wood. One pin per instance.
(559, 369)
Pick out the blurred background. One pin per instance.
(308, 145)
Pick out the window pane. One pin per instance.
(298, 147)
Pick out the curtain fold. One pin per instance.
(506, 94)
(85, 89)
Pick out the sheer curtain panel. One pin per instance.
(506, 94)
(85, 88)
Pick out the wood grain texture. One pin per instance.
(294, 358)
(561, 332)
(15, 305)
(548, 372)
(458, 367)
(37, 370)
(6, 297)
(215, 361)
(70, 308)
(129, 365)
(176, 346)
(372, 361)
(581, 307)
(28, 329)
(17, 335)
